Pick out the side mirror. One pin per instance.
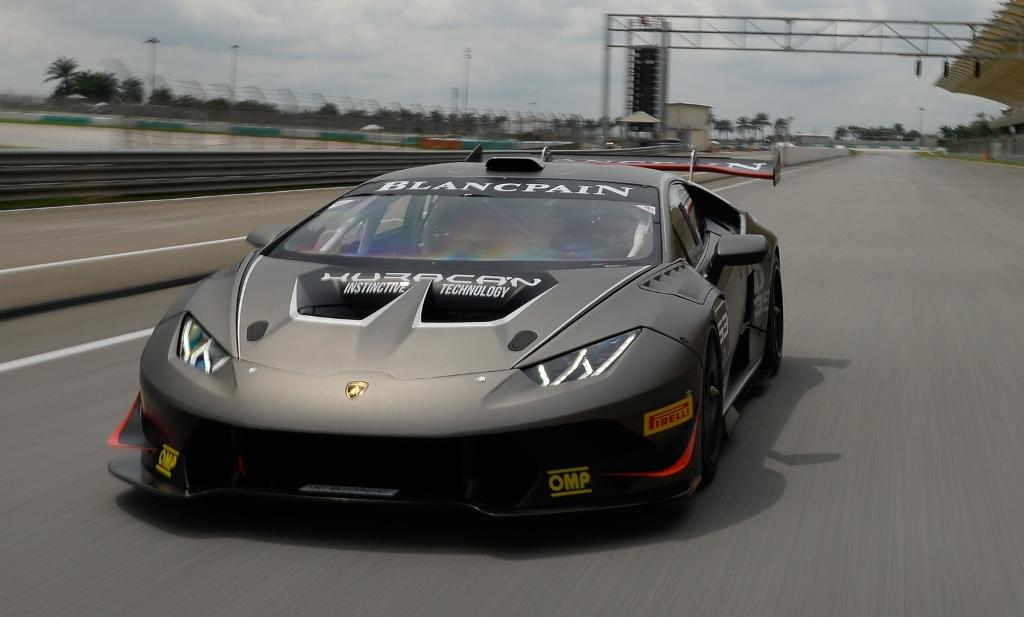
(742, 250)
(263, 235)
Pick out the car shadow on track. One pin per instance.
(745, 487)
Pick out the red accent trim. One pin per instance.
(728, 171)
(709, 168)
(671, 470)
(114, 441)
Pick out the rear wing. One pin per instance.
(748, 168)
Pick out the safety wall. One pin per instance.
(798, 155)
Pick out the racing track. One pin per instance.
(881, 473)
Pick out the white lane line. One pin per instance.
(49, 356)
(738, 184)
(152, 201)
(81, 260)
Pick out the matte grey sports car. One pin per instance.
(520, 334)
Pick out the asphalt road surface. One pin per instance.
(880, 473)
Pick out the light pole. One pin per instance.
(455, 101)
(920, 127)
(234, 71)
(152, 42)
(466, 53)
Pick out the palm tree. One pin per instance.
(161, 96)
(727, 128)
(96, 85)
(62, 70)
(898, 130)
(760, 121)
(405, 117)
(743, 125)
(132, 90)
(841, 133)
(781, 126)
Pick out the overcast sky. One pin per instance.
(542, 55)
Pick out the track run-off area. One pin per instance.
(880, 473)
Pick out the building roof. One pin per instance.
(1000, 50)
(693, 105)
(638, 117)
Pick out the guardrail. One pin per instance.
(28, 175)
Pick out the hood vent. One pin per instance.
(446, 297)
(338, 311)
(439, 311)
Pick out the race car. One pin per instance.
(519, 333)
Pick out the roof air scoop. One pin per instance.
(514, 163)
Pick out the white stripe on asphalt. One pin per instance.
(81, 260)
(49, 356)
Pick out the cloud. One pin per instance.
(548, 53)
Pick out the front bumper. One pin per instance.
(587, 466)
(129, 468)
(501, 445)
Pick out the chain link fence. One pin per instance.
(183, 105)
(1009, 148)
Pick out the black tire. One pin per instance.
(711, 418)
(772, 358)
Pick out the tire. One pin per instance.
(711, 419)
(772, 358)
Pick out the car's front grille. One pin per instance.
(497, 470)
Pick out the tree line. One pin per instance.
(975, 130)
(748, 127)
(97, 86)
(100, 86)
(896, 132)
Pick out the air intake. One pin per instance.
(514, 163)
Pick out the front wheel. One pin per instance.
(772, 358)
(711, 424)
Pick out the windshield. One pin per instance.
(478, 227)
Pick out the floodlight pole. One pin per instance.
(152, 42)
(468, 55)
(234, 71)
(606, 78)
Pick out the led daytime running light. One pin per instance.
(198, 349)
(580, 364)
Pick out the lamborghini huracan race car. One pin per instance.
(517, 333)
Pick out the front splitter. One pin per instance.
(129, 468)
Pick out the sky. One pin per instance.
(526, 55)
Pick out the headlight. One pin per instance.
(198, 349)
(590, 361)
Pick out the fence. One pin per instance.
(1009, 148)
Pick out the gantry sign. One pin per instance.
(649, 38)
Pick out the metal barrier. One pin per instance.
(28, 175)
